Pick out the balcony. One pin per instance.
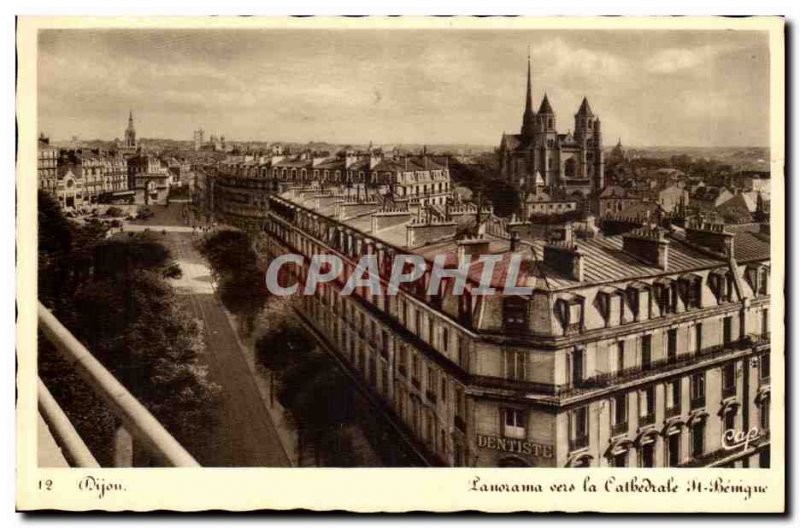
(673, 411)
(662, 365)
(136, 421)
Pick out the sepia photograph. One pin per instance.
(393, 243)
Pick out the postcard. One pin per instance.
(401, 264)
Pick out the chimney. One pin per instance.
(647, 244)
(420, 232)
(711, 236)
(514, 240)
(470, 248)
(564, 233)
(564, 257)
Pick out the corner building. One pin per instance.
(639, 349)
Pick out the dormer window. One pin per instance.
(666, 296)
(569, 311)
(721, 283)
(691, 288)
(758, 278)
(611, 304)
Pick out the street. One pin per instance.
(243, 433)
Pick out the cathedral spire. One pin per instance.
(529, 95)
(528, 117)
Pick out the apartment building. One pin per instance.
(639, 349)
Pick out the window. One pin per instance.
(763, 366)
(461, 407)
(578, 428)
(445, 340)
(433, 384)
(765, 322)
(698, 390)
(577, 366)
(763, 414)
(646, 350)
(619, 411)
(415, 369)
(514, 365)
(693, 290)
(672, 344)
(515, 314)
(729, 379)
(620, 356)
(647, 453)
(443, 389)
(402, 360)
(763, 282)
(620, 459)
(698, 438)
(673, 397)
(647, 405)
(698, 337)
(513, 423)
(674, 449)
(730, 420)
(763, 458)
(727, 330)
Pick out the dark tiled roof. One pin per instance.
(749, 243)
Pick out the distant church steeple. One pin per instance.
(130, 133)
(528, 117)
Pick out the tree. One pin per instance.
(114, 299)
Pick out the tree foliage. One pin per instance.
(112, 296)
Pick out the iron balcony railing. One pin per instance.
(675, 410)
(647, 419)
(619, 428)
(698, 402)
(136, 420)
(612, 378)
(662, 365)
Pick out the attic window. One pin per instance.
(691, 287)
(610, 302)
(758, 278)
(515, 314)
(666, 295)
(721, 283)
(569, 311)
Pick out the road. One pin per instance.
(243, 433)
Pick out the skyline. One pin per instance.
(650, 88)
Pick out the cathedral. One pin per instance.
(541, 159)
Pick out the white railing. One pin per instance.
(138, 424)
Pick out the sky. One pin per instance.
(443, 86)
